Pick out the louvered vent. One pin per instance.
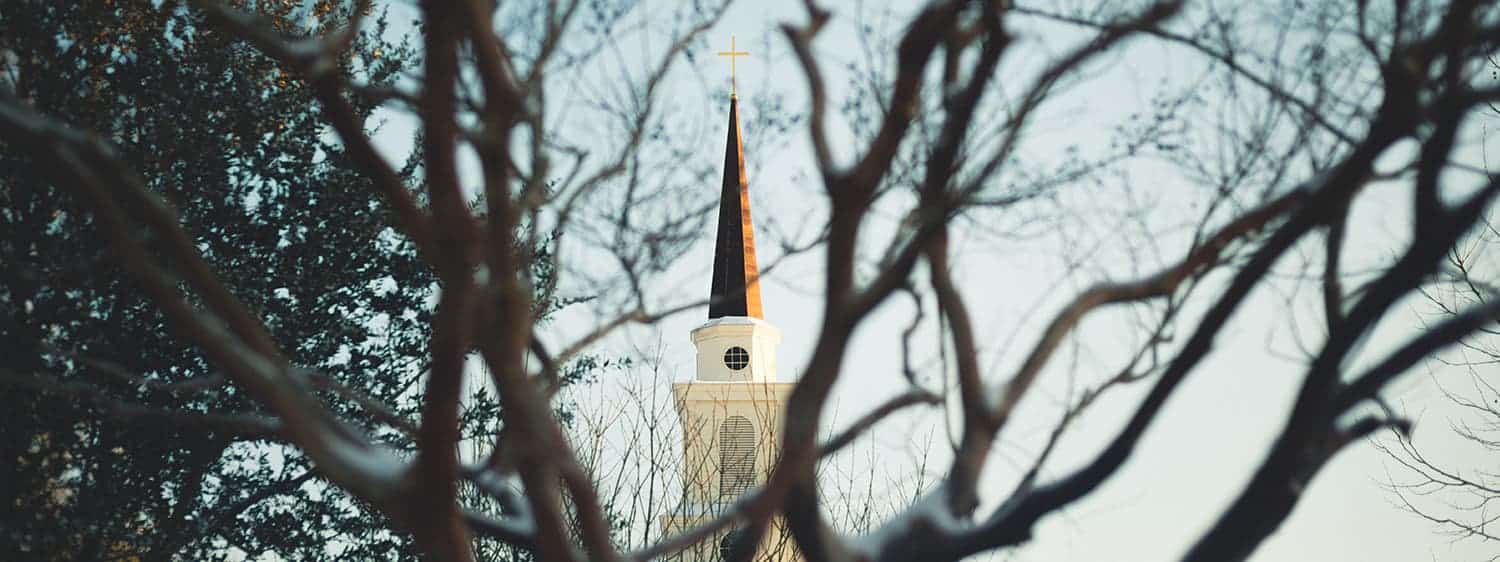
(736, 457)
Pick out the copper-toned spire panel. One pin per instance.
(736, 283)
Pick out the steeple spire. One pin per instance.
(736, 282)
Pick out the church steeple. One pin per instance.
(732, 410)
(736, 279)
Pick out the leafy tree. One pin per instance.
(120, 440)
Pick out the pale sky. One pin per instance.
(1016, 272)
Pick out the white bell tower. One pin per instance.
(736, 349)
(731, 411)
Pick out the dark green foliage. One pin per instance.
(104, 451)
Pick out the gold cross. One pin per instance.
(732, 54)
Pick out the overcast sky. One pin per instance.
(1017, 270)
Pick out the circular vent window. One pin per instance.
(736, 358)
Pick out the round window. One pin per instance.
(736, 358)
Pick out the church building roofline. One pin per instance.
(734, 325)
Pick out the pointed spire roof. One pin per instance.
(736, 283)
